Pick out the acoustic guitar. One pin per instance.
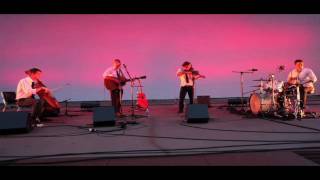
(142, 101)
(112, 83)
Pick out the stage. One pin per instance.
(163, 137)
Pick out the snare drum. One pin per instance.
(260, 103)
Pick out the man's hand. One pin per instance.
(46, 90)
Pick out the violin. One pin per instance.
(47, 96)
(194, 73)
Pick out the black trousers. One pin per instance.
(115, 99)
(183, 91)
(36, 104)
(303, 96)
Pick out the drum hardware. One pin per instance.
(257, 86)
(260, 79)
(273, 100)
(277, 98)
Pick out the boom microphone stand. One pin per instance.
(131, 86)
(241, 84)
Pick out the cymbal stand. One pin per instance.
(273, 96)
(297, 108)
(261, 87)
(241, 85)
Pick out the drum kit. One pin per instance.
(276, 98)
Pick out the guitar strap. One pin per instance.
(118, 74)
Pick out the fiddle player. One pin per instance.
(304, 78)
(187, 77)
(25, 95)
(114, 74)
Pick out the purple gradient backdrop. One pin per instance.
(77, 49)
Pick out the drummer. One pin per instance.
(304, 78)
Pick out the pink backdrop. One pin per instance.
(76, 49)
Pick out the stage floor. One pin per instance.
(164, 138)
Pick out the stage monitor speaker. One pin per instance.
(104, 116)
(197, 113)
(15, 122)
(204, 100)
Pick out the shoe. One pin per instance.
(302, 114)
(39, 125)
(38, 120)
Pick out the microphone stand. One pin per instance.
(131, 87)
(241, 85)
(66, 111)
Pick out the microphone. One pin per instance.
(253, 69)
(124, 66)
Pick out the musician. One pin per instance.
(304, 78)
(115, 74)
(26, 92)
(187, 77)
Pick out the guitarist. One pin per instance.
(187, 77)
(114, 80)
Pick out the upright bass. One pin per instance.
(52, 107)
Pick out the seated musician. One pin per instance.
(114, 74)
(305, 79)
(26, 94)
(187, 77)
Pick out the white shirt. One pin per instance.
(183, 81)
(304, 76)
(111, 72)
(24, 89)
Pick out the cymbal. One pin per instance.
(260, 80)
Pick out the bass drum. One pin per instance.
(260, 103)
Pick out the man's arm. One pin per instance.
(181, 72)
(313, 77)
(291, 79)
(107, 72)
